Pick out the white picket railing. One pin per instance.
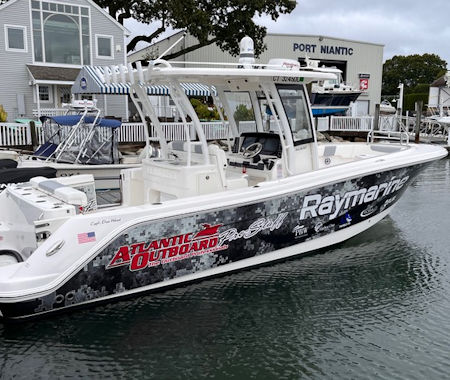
(50, 112)
(349, 123)
(19, 134)
(12, 134)
(131, 132)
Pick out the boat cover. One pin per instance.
(18, 175)
(45, 150)
(98, 143)
(71, 120)
(8, 164)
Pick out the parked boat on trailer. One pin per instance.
(330, 96)
(201, 209)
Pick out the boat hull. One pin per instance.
(166, 252)
(333, 99)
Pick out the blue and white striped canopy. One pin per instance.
(90, 80)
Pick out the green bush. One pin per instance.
(3, 114)
(409, 101)
(203, 112)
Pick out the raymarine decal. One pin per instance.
(315, 205)
(166, 250)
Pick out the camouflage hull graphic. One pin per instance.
(158, 251)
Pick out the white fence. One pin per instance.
(19, 134)
(12, 134)
(50, 112)
(349, 123)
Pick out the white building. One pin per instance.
(44, 44)
(439, 95)
(360, 62)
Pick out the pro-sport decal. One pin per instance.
(158, 251)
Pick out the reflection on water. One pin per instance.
(375, 306)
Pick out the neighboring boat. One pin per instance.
(200, 210)
(387, 108)
(76, 143)
(330, 96)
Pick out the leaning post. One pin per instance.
(419, 105)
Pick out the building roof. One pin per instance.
(320, 37)
(47, 74)
(440, 82)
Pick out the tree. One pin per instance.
(243, 113)
(411, 70)
(223, 22)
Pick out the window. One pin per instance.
(242, 108)
(61, 33)
(16, 38)
(104, 46)
(62, 40)
(295, 106)
(45, 94)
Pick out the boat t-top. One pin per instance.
(203, 208)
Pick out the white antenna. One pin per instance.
(172, 46)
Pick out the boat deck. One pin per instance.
(108, 197)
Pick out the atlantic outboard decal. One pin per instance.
(166, 250)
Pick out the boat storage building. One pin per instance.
(360, 62)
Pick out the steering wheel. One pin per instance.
(252, 150)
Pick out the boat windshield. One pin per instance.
(242, 111)
(295, 105)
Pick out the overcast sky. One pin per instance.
(403, 26)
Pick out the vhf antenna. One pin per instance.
(172, 46)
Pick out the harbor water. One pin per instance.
(374, 307)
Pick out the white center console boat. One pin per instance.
(201, 209)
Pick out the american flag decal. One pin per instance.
(87, 237)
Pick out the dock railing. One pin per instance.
(350, 123)
(15, 134)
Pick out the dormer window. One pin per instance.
(61, 33)
(16, 38)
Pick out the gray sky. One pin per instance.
(403, 26)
